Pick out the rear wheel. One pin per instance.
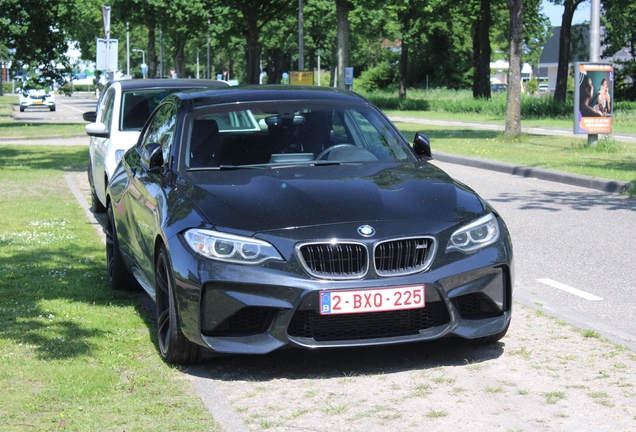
(119, 277)
(96, 204)
(174, 347)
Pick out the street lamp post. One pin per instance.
(143, 60)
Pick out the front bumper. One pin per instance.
(255, 310)
(37, 103)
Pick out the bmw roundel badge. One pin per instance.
(366, 231)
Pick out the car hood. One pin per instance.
(259, 200)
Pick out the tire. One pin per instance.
(119, 277)
(52, 108)
(96, 204)
(21, 109)
(174, 347)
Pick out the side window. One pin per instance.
(377, 138)
(162, 128)
(105, 114)
(339, 128)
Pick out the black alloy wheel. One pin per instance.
(174, 347)
(119, 277)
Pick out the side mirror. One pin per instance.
(90, 116)
(422, 146)
(152, 156)
(97, 130)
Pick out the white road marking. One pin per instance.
(569, 289)
(72, 107)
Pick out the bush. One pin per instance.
(381, 77)
(532, 86)
(462, 101)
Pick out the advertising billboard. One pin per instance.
(593, 98)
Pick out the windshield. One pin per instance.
(288, 133)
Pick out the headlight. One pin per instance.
(230, 248)
(476, 235)
(118, 155)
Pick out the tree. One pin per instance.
(619, 19)
(408, 14)
(513, 107)
(35, 29)
(249, 17)
(564, 47)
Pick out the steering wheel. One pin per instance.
(323, 154)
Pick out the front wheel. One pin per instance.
(174, 347)
(119, 277)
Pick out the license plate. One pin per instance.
(371, 300)
(37, 102)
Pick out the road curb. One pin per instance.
(600, 184)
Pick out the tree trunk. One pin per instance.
(482, 84)
(476, 58)
(274, 67)
(151, 49)
(564, 50)
(342, 51)
(513, 107)
(404, 56)
(179, 58)
(253, 53)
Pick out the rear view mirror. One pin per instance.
(422, 146)
(90, 116)
(284, 120)
(152, 156)
(97, 130)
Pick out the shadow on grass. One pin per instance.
(42, 157)
(31, 276)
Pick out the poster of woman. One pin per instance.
(593, 98)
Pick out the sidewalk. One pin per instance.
(498, 127)
(601, 184)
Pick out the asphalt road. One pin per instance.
(574, 248)
(68, 109)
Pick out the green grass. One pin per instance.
(73, 353)
(18, 129)
(610, 159)
(461, 106)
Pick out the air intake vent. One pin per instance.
(335, 260)
(404, 256)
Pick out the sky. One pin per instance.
(555, 13)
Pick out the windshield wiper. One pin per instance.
(227, 167)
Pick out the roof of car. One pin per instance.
(169, 83)
(266, 93)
